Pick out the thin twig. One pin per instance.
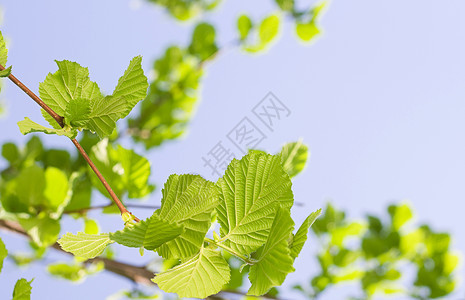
(59, 120)
(86, 209)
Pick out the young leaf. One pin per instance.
(300, 237)
(274, 259)
(268, 29)
(201, 276)
(71, 81)
(3, 253)
(105, 112)
(244, 25)
(188, 200)
(42, 229)
(203, 41)
(294, 157)
(85, 245)
(3, 51)
(127, 171)
(77, 112)
(22, 290)
(250, 192)
(133, 85)
(6, 72)
(27, 126)
(150, 233)
(50, 120)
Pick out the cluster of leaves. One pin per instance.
(71, 94)
(376, 253)
(184, 10)
(251, 202)
(22, 289)
(173, 95)
(169, 105)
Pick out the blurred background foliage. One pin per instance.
(380, 255)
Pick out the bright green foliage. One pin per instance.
(77, 113)
(250, 192)
(307, 30)
(186, 9)
(75, 271)
(3, 58)
(71, 93)
(274, 260)
(201, 276)
(375, 257)
(298, 240)
(150, 234)
(286, 5)
(42, 229)
(294, 157)
(85, 245)
(203, 41)
(132, 86)
(172, 97)
(35, 189)
(3, 51)
(244, 25)
(188, 200)
(6, 72)
(267, 31)
(28, 126)
(22, 290)
(71, 81)
(3, 253)
(127, 171)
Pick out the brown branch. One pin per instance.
(59, 120)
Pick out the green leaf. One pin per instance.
(286, 5)
(30, 186)
(201, 276)
(300, 237)
(188, 200)
(203, 41)
(27, 126)
(77, 112)
(50, 120)
(307, 31)
(105, 112)
(3, 51)
(22, 290)
(57, 188)
(400, 215)
(244, 25)
(250, 192)
(268, 29)
(71, 81)
(274, 258)
(150, 233)
(42, 229)
(85, 245)
(6, 72)
(127, 171)
(91, 226)
(294, 157)
(132, 86)
(3, 253)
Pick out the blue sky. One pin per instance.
(379, 99)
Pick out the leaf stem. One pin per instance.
(232, 251)
(59, 120)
